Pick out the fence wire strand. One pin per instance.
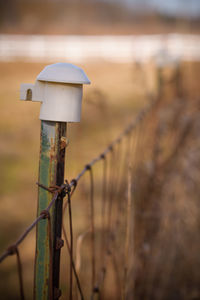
(71, 246)
(13, 250)
(92, 226)
(110, 190)
(73, 264)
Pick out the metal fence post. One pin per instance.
(59, 88)
(51, 173)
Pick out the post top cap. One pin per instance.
(63, 73)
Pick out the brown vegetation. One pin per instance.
(163, 255)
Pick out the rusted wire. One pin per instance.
(69, 190)
(72, 186)
(102, 270)
(73, 264)
(74, 181)
(89, 168)
(71, 243)
(21, 238)
(111, 190)
(118, 172)
(103, 210)
(20, 274)
(44, 214)
(14, 250)
(133, 124)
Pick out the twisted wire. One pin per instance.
(69, 190)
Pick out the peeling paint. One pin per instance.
(51, 172)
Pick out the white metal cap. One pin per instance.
(63, 73)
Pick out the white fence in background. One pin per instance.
(123, 49)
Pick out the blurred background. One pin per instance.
(124, 47)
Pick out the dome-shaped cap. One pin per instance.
(63, 72)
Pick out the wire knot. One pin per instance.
(88, 167)
(46, 188)
(45, 214)
(74, 182)
(102, 156)
(54, 189)
(57, 189)
(12, 249)
(110, 148)
(67, 187)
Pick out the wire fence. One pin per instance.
(137, 204)
(115, 196)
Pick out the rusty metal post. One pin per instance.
(51, 172)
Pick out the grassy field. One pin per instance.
(117, 93)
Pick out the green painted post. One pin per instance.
(51, 172)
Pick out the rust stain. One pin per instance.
(63, 142)
(53, 145)
(52, 150)
(59, 243)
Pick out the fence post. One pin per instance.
(51, 173)
(59, 88)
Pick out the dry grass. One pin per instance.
(160, 173)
